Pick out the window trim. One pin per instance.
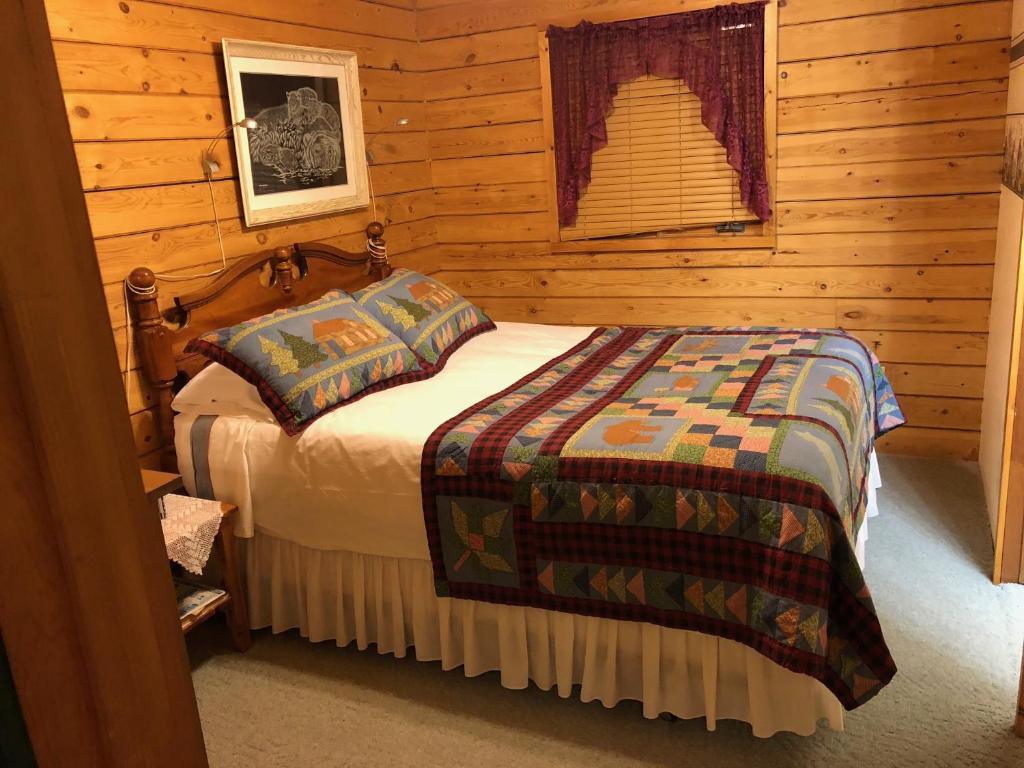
(757, 236)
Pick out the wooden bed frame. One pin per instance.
(254, 285)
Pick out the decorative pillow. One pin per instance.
(305, 361)
(427, 315)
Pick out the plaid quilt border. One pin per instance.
(282, 413)
(813, 582)
(454, 347)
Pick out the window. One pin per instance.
(634, 152)
(662, 169)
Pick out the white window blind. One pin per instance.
(661, 170)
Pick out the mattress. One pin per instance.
(351, 481)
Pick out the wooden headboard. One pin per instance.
(254, 285)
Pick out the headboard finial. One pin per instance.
(282, 264)
(299, 273)
(379, 265)
(142, 279)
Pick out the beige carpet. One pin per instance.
(955, 637)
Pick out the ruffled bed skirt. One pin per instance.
(390, 602)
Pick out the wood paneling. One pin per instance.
(144, 92)
(492, 198)
(941, 412)
(894, 178)
(502, 77)
(788, 282)
(936, 246)
(484, 48)
(941, 443)
(102, 116)
(91, 67)
(488, 109)
(804, 11)
(494, 170)
(889, 130)
(893, 106)
(156, 26)
(895, 31)
(886, 214)
(890, 137)
(480, 141)
(917, 67)
(120, 164)
(467, 18)
(892, 143)
(369, 18)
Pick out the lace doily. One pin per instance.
(190, 526)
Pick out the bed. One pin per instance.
(342, 537)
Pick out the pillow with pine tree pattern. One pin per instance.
(431, 318)
(308, 360)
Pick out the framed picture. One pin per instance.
(305, 155)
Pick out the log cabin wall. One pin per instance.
(890, 138)
(145, 92)
(890, 131)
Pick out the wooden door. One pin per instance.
(86, 604)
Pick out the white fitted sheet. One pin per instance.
(351, 481)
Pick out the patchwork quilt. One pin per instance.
(710, 479)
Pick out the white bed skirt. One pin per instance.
(390, 602)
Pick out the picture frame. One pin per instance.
(306, 155)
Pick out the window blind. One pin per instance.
(661, 170)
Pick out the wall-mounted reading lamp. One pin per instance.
(400, 122)
(210, 165)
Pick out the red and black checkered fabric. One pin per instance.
(855, 662)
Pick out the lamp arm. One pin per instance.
(218, 137)
(211, 166)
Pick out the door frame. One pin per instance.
(87, 607)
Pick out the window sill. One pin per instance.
(691, 243)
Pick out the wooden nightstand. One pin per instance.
(232, 602)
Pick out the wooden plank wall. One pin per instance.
(890, 134)
(890, 127)
(145, 92)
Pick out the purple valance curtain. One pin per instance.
(718, 53)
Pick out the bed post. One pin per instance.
(157, 359)
(156, 341)
(380, 267)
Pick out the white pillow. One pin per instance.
(217, 391)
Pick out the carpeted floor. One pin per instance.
(955, 637)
